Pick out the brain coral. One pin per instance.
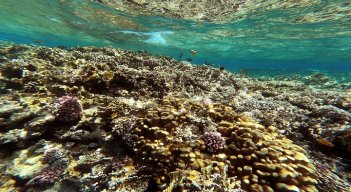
(253, 158)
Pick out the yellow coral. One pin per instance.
(259, 157)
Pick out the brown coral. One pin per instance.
(261, 158)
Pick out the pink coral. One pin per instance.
(213, 141)
(48, 176)
(68, 108)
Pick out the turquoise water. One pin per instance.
(276, 40)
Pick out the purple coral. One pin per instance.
(68, 108)
(213, 141)
(48, 175)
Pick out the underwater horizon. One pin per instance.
(175, 95)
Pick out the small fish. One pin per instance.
(142, 51)
(194, 52)
(189, 59)
(180, 56)
(324, 142)
(209, 63)
(38, 42)
(61, 47)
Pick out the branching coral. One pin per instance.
(68, 108)
(213, 141)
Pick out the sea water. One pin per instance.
(267, 41)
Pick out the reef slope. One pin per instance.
(104, 119)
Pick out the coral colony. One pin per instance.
(48, 176)
(68, 108)
(213, 141)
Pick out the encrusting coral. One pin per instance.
(254, 157)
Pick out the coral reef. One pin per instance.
(150, 123)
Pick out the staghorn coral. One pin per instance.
(260, 158)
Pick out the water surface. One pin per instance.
(314, 37)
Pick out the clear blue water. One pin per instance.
(272, 41)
